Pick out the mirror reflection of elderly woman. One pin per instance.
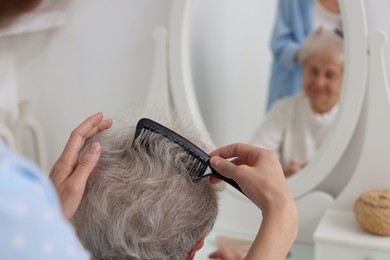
(297, 126)
(295, 20)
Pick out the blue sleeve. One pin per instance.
(32, 225)
(294, 21)
(283, 45)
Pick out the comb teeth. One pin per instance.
(198, 160)
(192, 153)
(197, 169)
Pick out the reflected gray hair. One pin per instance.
(322, 41)
(144, 205)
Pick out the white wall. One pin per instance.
(378, 19)
(100, 60)
(231, 64)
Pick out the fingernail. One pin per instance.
(95, 148)
(215, 161)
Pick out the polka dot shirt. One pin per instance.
(31, 223)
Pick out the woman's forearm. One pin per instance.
(276, 235)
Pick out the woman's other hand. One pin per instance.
(292, 168)
(70, 173)
(226, 254)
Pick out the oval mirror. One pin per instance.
(235, 119)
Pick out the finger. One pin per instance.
(69, 157)
(78, 136)
(224, 167)
(246, 154)
(228, 151)
(238, 161)
(85, 166)
(73, 188)
(103, 125)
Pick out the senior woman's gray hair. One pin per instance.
(143, 204)
(324, 41)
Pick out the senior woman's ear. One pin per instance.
(198, 246)
(16, 7)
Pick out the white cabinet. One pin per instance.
(342, 252)
(339, 237)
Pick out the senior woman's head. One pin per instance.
(143, 204)
(322, 60)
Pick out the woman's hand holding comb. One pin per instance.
(259, 174)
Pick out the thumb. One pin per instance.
(223, 167)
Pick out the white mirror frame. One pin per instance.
(355, 78)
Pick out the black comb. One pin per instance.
(201, 159)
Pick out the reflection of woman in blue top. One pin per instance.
(294, 21)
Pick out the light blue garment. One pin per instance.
(294, 21)
(31, 223)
